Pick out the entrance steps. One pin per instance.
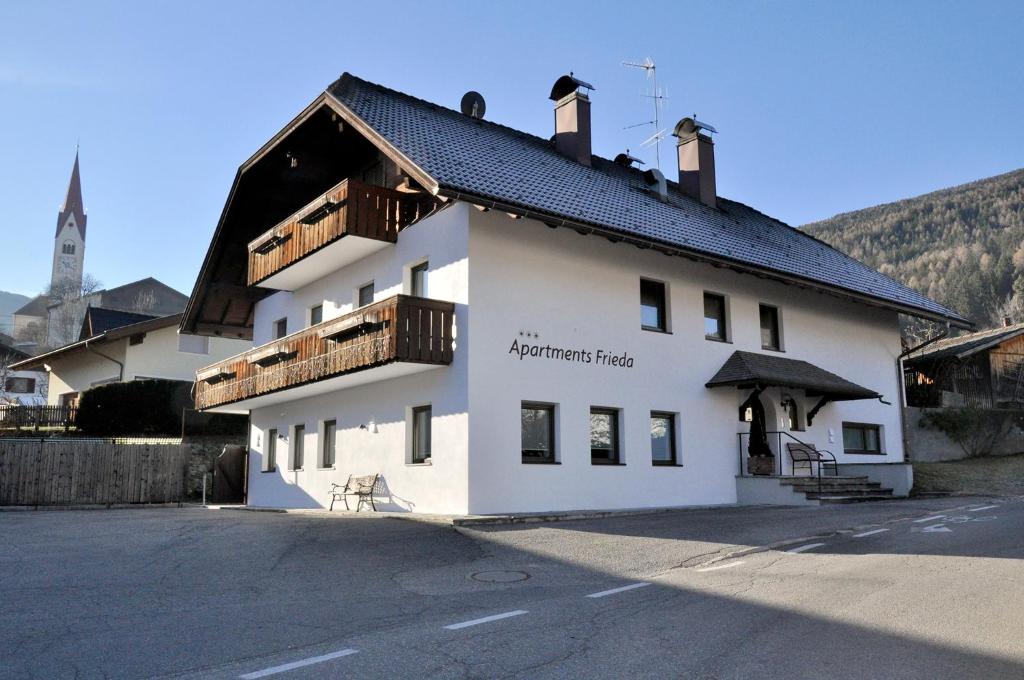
(838, 489)
(803, 490)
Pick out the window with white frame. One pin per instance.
(327, 448)
(421, 434)
(298, 446)
(418, 280)
(270, 451)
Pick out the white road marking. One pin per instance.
(869, 533)
(804, 548)
(937, 528)
(486, 619)
(987, 507)
(728, 565)
(297, 664)
(615, 591)
(928, 519)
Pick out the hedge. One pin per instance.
(139, 407)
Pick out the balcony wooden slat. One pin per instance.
(357, 209)
(403, 328)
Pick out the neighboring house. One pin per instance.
(497, 322)
(115, 346)
(983, 369)
(19, 387)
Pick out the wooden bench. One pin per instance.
(807, 455)
(359, 486)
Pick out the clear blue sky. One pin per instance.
(822, 107)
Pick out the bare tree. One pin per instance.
(145, 301)
(68, 301)
(1011, 307)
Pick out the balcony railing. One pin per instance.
(399, 329)
(348, 209)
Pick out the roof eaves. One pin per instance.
(380, 142)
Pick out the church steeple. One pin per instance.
(69, 242)
(73, 205)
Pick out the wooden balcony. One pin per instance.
(348, 209)
(400, 329)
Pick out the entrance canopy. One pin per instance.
(749, 370)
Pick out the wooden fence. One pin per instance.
(16, 416)
(90, 471)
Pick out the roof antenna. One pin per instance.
(657, 96)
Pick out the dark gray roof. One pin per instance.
(100, 320)
(491, 161)
(34, 307)
(965, 345)
(749, 369)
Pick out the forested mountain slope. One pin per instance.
(962, 246)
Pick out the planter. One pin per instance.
(761, 465)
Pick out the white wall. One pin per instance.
(79, 370)
(439, 487)
(583, 292)
(574, 292)
(158, 356)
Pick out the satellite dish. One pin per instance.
(473, 104)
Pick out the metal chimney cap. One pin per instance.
(627, 160)
(690, 125)
(566, 85)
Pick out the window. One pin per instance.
(316, 315)
(604, 436)
(714, 317)
(538, 432)
(418, 280)
(652, 306)
(365, 296)
(270, 454)
(136, 339)
(330, 433)
(298, 446)
(21, 385)
(663, 438)
(280, 328)
(194, 344)
(421, 434)
(68, 248)
(862, 438)
(793, 414)
(771, 338)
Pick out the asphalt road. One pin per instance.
(722, 593)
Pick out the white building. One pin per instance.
(495, 323)
(19, 388)
(119, 346)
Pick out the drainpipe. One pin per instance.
(120, 365)
(901, 385)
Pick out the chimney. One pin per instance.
(572, 118)
(696, 160)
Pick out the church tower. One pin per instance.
(69, 243)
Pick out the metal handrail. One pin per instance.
(792, 463)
